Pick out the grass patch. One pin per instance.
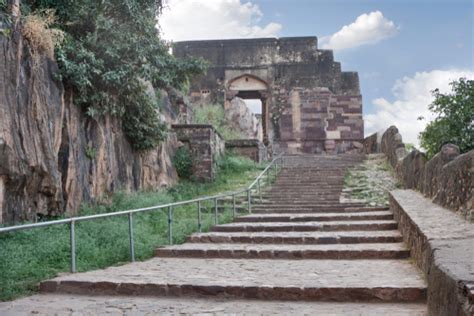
(370, 182)
(27, 257)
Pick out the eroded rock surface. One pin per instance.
(241, 119)
(53, 157)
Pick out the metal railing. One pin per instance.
(275, 165)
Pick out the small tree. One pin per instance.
(455, 119)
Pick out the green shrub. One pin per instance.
(454, 122)
(183, 163)
(213, 114)
(110, 50)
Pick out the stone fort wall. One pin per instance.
(310, 105)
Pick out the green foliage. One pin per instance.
(111, 53)
(183, 163)
(454, 122)
(30, 256)
(214, 115)
(3, 5)
(90, 152)
(235, 164)
(409, 146)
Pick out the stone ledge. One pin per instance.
(442, 245)
(243, 143)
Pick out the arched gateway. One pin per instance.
(308, 104)
(248, 86)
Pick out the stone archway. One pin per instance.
(248, 86)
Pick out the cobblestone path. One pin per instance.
(301, 251)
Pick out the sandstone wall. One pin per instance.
(447, 178)
(53, 157)
(315, 120)
(310, 104)
(250, 148)
(205, 146)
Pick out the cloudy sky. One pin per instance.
(401, 49)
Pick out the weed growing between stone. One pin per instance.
(370, 182)
(27, 257)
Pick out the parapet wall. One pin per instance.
(441, 244)
(250, 148)
(446, 178)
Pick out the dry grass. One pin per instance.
(40, 35)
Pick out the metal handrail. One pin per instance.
(276, 163)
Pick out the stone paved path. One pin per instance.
(300, 245)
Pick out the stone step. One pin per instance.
(63, 304)
(308, 209)
(288, 194)
(253, 251)
(349, 237)
(325, 280)
(311, 217)
(306, 226)
(304, 202)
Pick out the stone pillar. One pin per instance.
(265, 118)
(2, 196)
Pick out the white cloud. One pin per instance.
(367, 29)
(213, 19)
(413, 95)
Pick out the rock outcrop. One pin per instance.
(242, 120)
(446, 178)
(52, 156)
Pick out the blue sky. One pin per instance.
(432, 35)
(410, 48)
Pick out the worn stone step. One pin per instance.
(64, 304)
(304, 202)
(253, 251)
(349, 237)
(311, 217)
(287, 195)
(306, 226)
(307, 209)
(326, 280)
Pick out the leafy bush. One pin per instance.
(183, 163)
(234, 164)
(455, 119)
(3, 5)
(111, 51)
(214, 115)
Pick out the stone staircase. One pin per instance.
(299, 244)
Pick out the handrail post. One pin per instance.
(170, 225)
(216, 220)
(130, 235)
(249, 200)
(233, 205)
(199, 216)
(73, 246)
(259, 190)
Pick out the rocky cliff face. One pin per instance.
(53, 157)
